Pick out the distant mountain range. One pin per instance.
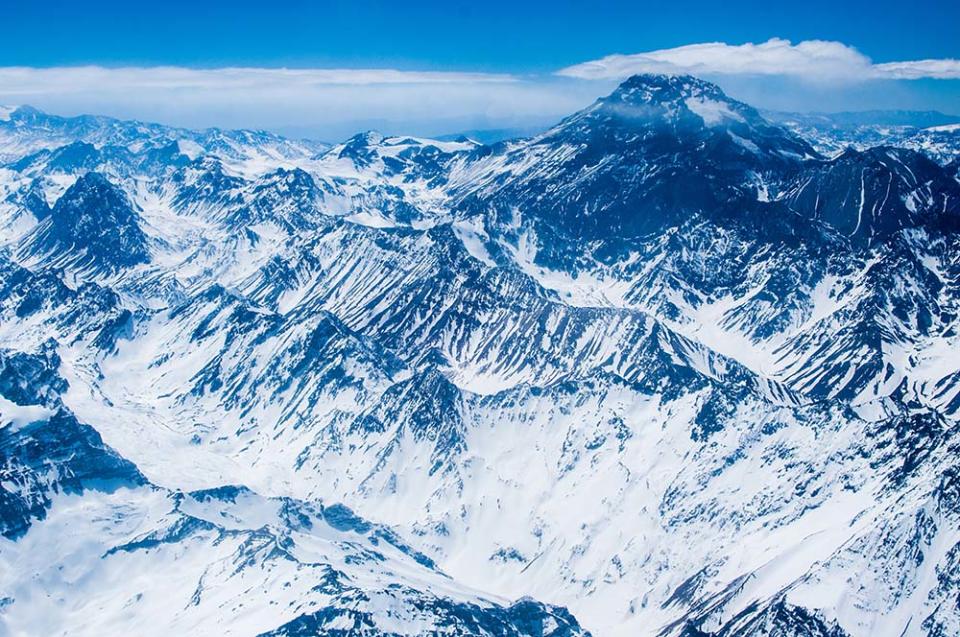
(839, 126)
(929, 132)
(856, 119)
(670, 367)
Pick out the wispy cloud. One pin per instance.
(815, 60)
(81, 78)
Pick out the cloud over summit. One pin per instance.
(814, 60)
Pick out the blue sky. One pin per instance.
(463, 65)
(490, 36)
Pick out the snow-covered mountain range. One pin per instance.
(929, 132)
(667, 368)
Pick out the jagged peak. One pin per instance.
(289, 176)
(97, 217)
(93, 180)
(686, 108)
(656, 88)
(22, 114)
(678, 97)
(366, 138)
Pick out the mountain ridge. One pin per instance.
(679, 372)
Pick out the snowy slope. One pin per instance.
(91, 547)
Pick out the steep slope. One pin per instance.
(92, 225)
(897, 190)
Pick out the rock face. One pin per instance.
(94, 224)
(667, 368)
(898, 190)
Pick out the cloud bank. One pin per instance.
(329, 103)
(332, 104)
(814, 60)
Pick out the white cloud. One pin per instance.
(946, 69)
(330, 103)
(816, 60)
(31, 80)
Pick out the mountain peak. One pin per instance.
(650, 88)
(96, 216)
(23, 113)
(26, 109)
(366, 138)
(652, 116)
(678, 97)
(93, 180)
